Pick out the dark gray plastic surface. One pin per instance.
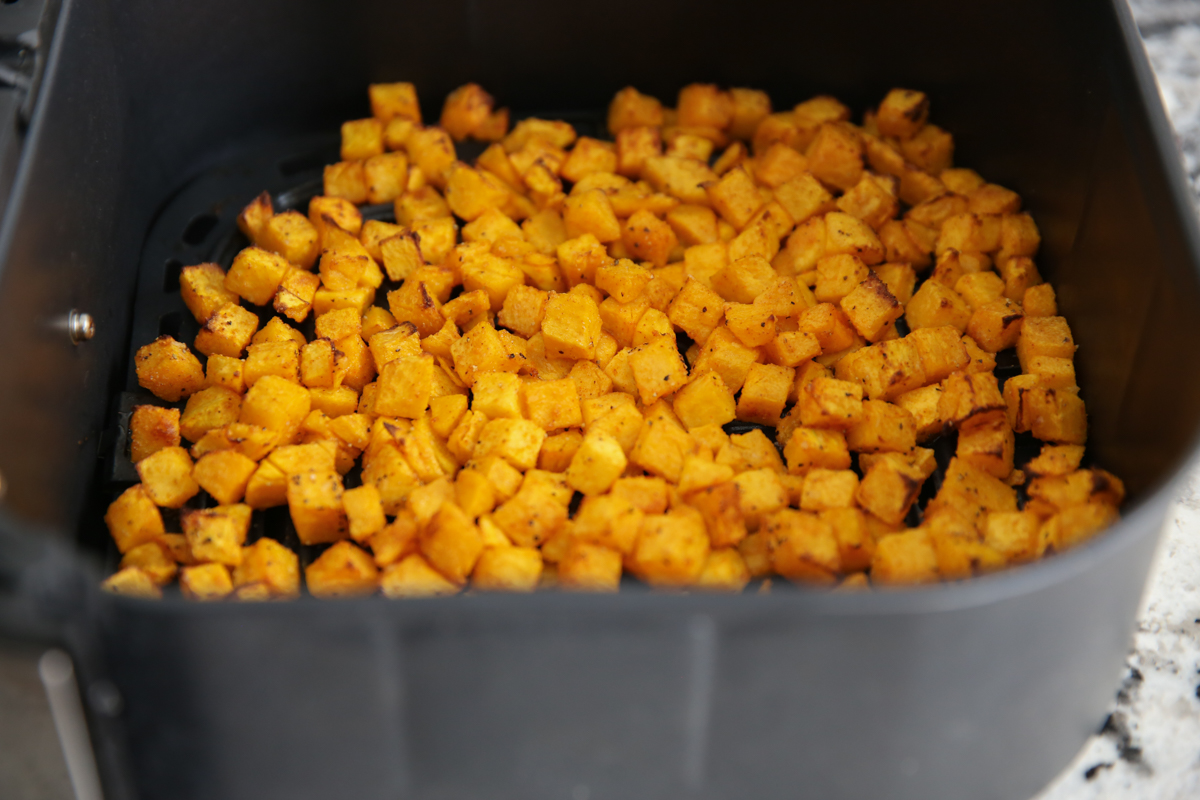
(983, 689)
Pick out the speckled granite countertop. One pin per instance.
(1149, 747)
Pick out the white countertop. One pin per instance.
(1150, 746)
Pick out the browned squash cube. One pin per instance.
(837, 276)
(597, 463)
(432, 151)
(904, 558)
(829, 325)
(269, 564)
(814, 447)
(206, 582)
(835, 156)
(452, 543)
(591, 212)
(228, 331)
(405, 385)
(276, 404)
(253, 218)
(168, 369)
(735, 197)
(672, 548)
(871, 200)
(935, 305)
(996, 325)
(902, 113)
(507, 569)
(256, 275)
(682, 178)
(987, 444)
(1039, 301)
(870, 307)
(697, 310)
(338, 212)
(343, 570)
(630, 108)
(587, 567)
(922, 404)
(1044, 336)
(466, 110)
(392, 100)
(967, 396)
(154, 559)
(931, 149)
(224, 474)
(291, 235)
(658, 369)
(517, 441)
(635, 146)
(214, 407)
(830, 403)
(314, 500)
(848, 235)
(571, 326)
(884, 427)
(705, 400)
(133, 519)
(805, 548)
(296, 293)
(941, 351)
(272, 358)
(856, 544)
(589, 156)
(414, 577)
(203, 289)
(825, 489)
(151, 429)
(765, 393)
(217, 534)
(885, 370)
(890, 487)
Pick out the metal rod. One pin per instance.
(58, 677)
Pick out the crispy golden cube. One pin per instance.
(871, 200)
(523, 310)
(343, 570)
(1055, 460)
(744, 279)
(203, 289)
(922, 404)
(855, 542)
(803, 547)
(479, 351)
(967, 396)
(629, 108)
(271, 565)
(535, 513)
(517, 441)
(904, 558)
(590, 380)
(507, 569)
(281, 359)
(870, 307)
(837, 277)
(941, 351)
(987, 444)
(452, 543)
(414, 577)
(658, 369)
(835, 155)
(214, 407)
(217, 534)
(1039, 301)
(682, 178)
(671, 549)
(364, 510)
(151, 429)
(825, 488)
(314, 500)
(392, 100)
(228, 331)
(890, 487)
(432, 151)
(1014, 534)
(497, 395)
(1044, 336)
(597, 463)
(830, 403)
(648, 238)
(931, 149)
(552, 405)
(885, 370)
(224, 474)
(206, 582)
(752, 323)
(829, 325)
(814, 447)
(587, 567)
(902, 113)
(361, 139)
(153, 559)
(226, 373)
(883, 428)
(571, 326)
(558, 450)
(765, 393)
(168, 369)
(337, 212)
(934, 305)
(591, 212)
(292, 236)
(256, 275)
(276, 404)
(133, 519)
(705, 400)
(254, 217)
(996, 325)
(404, 389)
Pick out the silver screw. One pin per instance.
(80, 326)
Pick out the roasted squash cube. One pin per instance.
(830, 403)
(133, 519)
(941, 351)
(968, 396)
(883, 427)
(168, 369)
(206, 582)
(996, 325)
(224, 474)
(890, 487)
(885, 370)
(276, 404)
(935, 305)
(552, 405)
(869, 306)
(987, 444)
(479, 350)
(765, 393)
(902, 113)
(152, 428)
(214, 407)
(904, 558)
(591, 212)
(597, 463)
(658, 369)
(1045, 336)
(217, 534)
(804, 548)
(315, 501)
(203, 289)
(256, 275)
(815, 447)
(343, 570)
(571, 326)
(404, 387)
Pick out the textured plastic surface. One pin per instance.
(984, 688)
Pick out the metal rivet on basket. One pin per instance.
(80, 326)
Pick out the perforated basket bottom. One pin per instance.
(198, 224)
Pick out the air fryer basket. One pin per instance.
(156, 123)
